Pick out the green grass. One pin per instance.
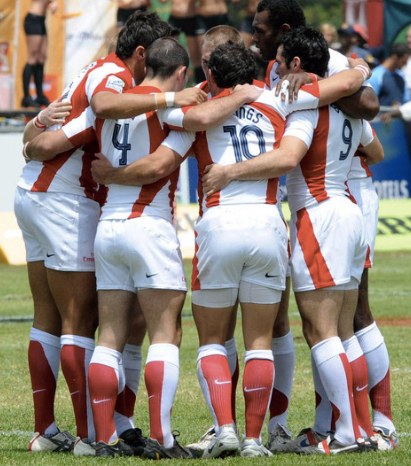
(390, 295)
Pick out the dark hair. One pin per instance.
(310, 46)
(164, 56)
(141, 29)
(232, 64)
(283, 12)
(399, 49)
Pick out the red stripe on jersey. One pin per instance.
(313, 165)
(84, 137)
(48, 172)
(312, 88)
(195, 281)
(317, 266)
(86, 179)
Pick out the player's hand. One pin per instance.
(189, 96)
(215, 178)
(292, 83)
(353, 62)
(101, 169)
(251, 93)
(55, 113)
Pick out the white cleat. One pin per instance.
(225, 443)
(83, 447)
(251, 448)
(62, 441)
(197, 449)
(386, 439)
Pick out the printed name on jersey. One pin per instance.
(115, 83)
(249, 114)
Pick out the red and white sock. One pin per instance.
(44, 361)
(103, 380)
(335, 373)
(161, 377)
(284, 359)
(126, 400)
(358, 364)
(214, 375)
(378, 362)
(232, 357)
(258, 381)
(75, 357)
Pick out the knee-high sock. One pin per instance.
(126, 400)
(323, 411)
(378, 362)
(161, 377)
(103, 380)
(358, 364)
(38, 72)
(27, 72)
(75, 357)
(213, 373)
(232, 357)
(284, 360)
(257, 388)
(335, 373)
(44, 361)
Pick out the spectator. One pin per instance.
(36, 38)
(183, 17)
(388, 79)
(407, 67)
(330, 35)
(354, 41)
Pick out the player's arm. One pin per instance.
(373, 151)
(47, 145)
(54, 114)
(271, 164)
(215, 111)
(149, 169)
(343, 84)
(111, 105)
(362, 104)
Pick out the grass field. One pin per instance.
(390, 292)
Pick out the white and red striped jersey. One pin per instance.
(69, 172)
(250, 131)
(332, 138)
(124, 141)
(338, 62)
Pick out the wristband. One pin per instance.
(363, 70)
(38, 124)
(169, 96)
(155, 100)
(26, 157)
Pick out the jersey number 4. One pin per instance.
(123, 145)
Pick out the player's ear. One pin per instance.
(295, 65)
(139, 53)
(182, 73)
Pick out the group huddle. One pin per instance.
(95, 204)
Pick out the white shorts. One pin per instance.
(58, 229)
(328, 245)
(366, 196)
(240, 243)
(137, 253)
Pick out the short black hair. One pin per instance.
(141, 29)
(283, 12)
(310, 46)
(232, 64)
(164, 56)
(399, 49)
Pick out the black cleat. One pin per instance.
(154, 451)
(118, 448)
(134, 439)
